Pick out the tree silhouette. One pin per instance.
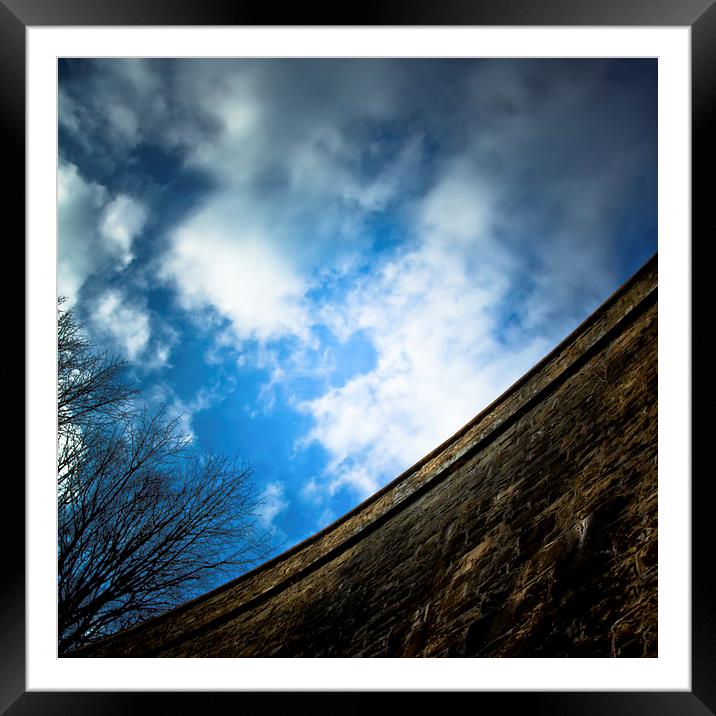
(144, 520)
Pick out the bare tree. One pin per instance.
(144, 521)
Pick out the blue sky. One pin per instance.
(329, 266)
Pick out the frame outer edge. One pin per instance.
(12, 131)
(701, 14)
(369, 12)
(703, 594)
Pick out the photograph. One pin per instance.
(357, 357)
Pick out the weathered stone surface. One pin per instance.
(531, 532)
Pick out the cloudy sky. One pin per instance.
(329, 266)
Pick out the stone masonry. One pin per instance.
(531, 532)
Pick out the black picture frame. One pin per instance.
(699, 15)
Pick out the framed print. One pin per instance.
(43, 49)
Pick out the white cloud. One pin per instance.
(127, 325)
(458, 208)
(122, 220)
(243, 277)
(274, 501)
(79, 204)
(96, 230)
